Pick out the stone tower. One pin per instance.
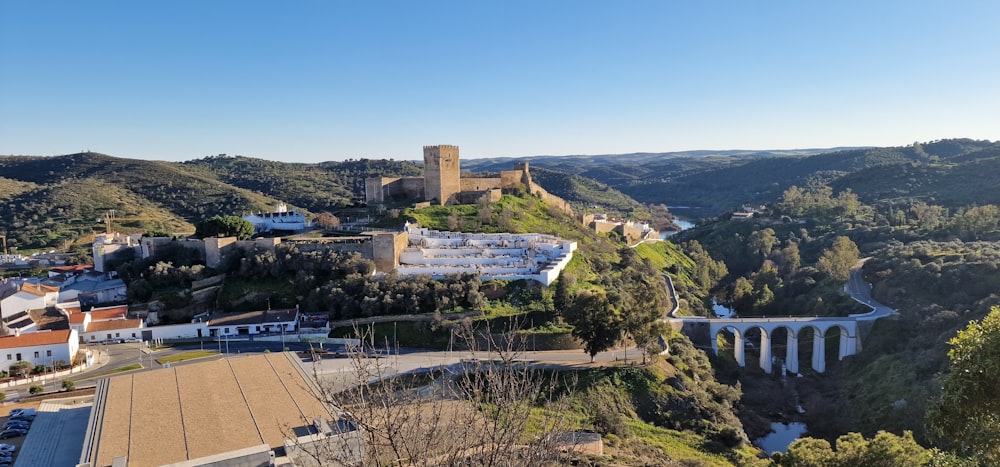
(441, 173)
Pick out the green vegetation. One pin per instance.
(134, 366)
(189, 355)
(852, 449)
(225, 226)
(967, 412)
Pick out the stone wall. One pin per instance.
(480, 184)
(386, 249)
(380, 189)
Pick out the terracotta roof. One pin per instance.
(77, 318)
(106, 314)
(37, 289)
(29, 339)
(97, 326)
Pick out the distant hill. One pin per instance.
(46, 202)
(712, 182)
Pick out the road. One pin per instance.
(860, 291)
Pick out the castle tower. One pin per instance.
(441, 173)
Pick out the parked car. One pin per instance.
(25, 411)
(16, 424)
(133, 339)
(23, 417)
(12, 433)
(8, 448)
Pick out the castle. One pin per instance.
(443, 184)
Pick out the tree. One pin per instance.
(35, 389)
(968, 411)
(838, 260)
(327, 220)
(20, 369)
(561, 298)
(225, 226)
(852, 449)
(761, 243)
(487, 412)
(68, 385)
(594, 322)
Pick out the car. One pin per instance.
(133, 339)
(7, 448)
(16, 424)
(12, 433)
(22, 417)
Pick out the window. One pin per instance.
(133, 334)
(36, 354)
(118, 334)
(18, 357)
(48, 353)
(10, 357)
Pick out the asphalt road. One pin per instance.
(860, 291)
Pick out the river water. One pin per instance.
(783, 434)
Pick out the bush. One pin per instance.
(35, 389)
(68, 385)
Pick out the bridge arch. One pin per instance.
(793, 329)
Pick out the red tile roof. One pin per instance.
(117, 312)
(39, 290)
(74, 268)
(77, 318)
(97, 326)
(29, 339)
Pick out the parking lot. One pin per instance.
(16, 441)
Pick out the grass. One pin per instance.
(134, 366)
(190, 355)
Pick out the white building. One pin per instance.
(503, 256)
(28, 297)
(39, 348)
(253, 323)
(280, 219)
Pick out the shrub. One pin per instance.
(36, 389)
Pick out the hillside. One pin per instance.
(713, 182)
(49, 201)
(314, 187)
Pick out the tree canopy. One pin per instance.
(225, 226)
(968, 412)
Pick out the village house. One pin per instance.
(39, 348)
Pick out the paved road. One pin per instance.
(860, 291)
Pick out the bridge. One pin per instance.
(699, 329)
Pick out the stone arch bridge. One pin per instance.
(704, 329)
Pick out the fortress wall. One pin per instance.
(380, 189)
(442, 177)
(480, 184)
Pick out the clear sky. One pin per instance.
(325, 80)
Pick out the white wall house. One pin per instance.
(29, 297)
(176, 331)
(113, 330)
(253, 323)
(39, 348)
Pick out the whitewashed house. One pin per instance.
(253, 323)
(39, 348)
(28, 297)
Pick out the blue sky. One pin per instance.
(313, 81)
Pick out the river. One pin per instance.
(782, 435)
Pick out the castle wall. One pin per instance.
(442, 176)
(480, 184)
(381, 189)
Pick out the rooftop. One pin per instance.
(96, 326)
(253, 317)
(35, 338)
(186, 412)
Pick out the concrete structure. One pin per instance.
(701, 329)
(281, 219)
(219, 412)
(39, 348)
(503, 256)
